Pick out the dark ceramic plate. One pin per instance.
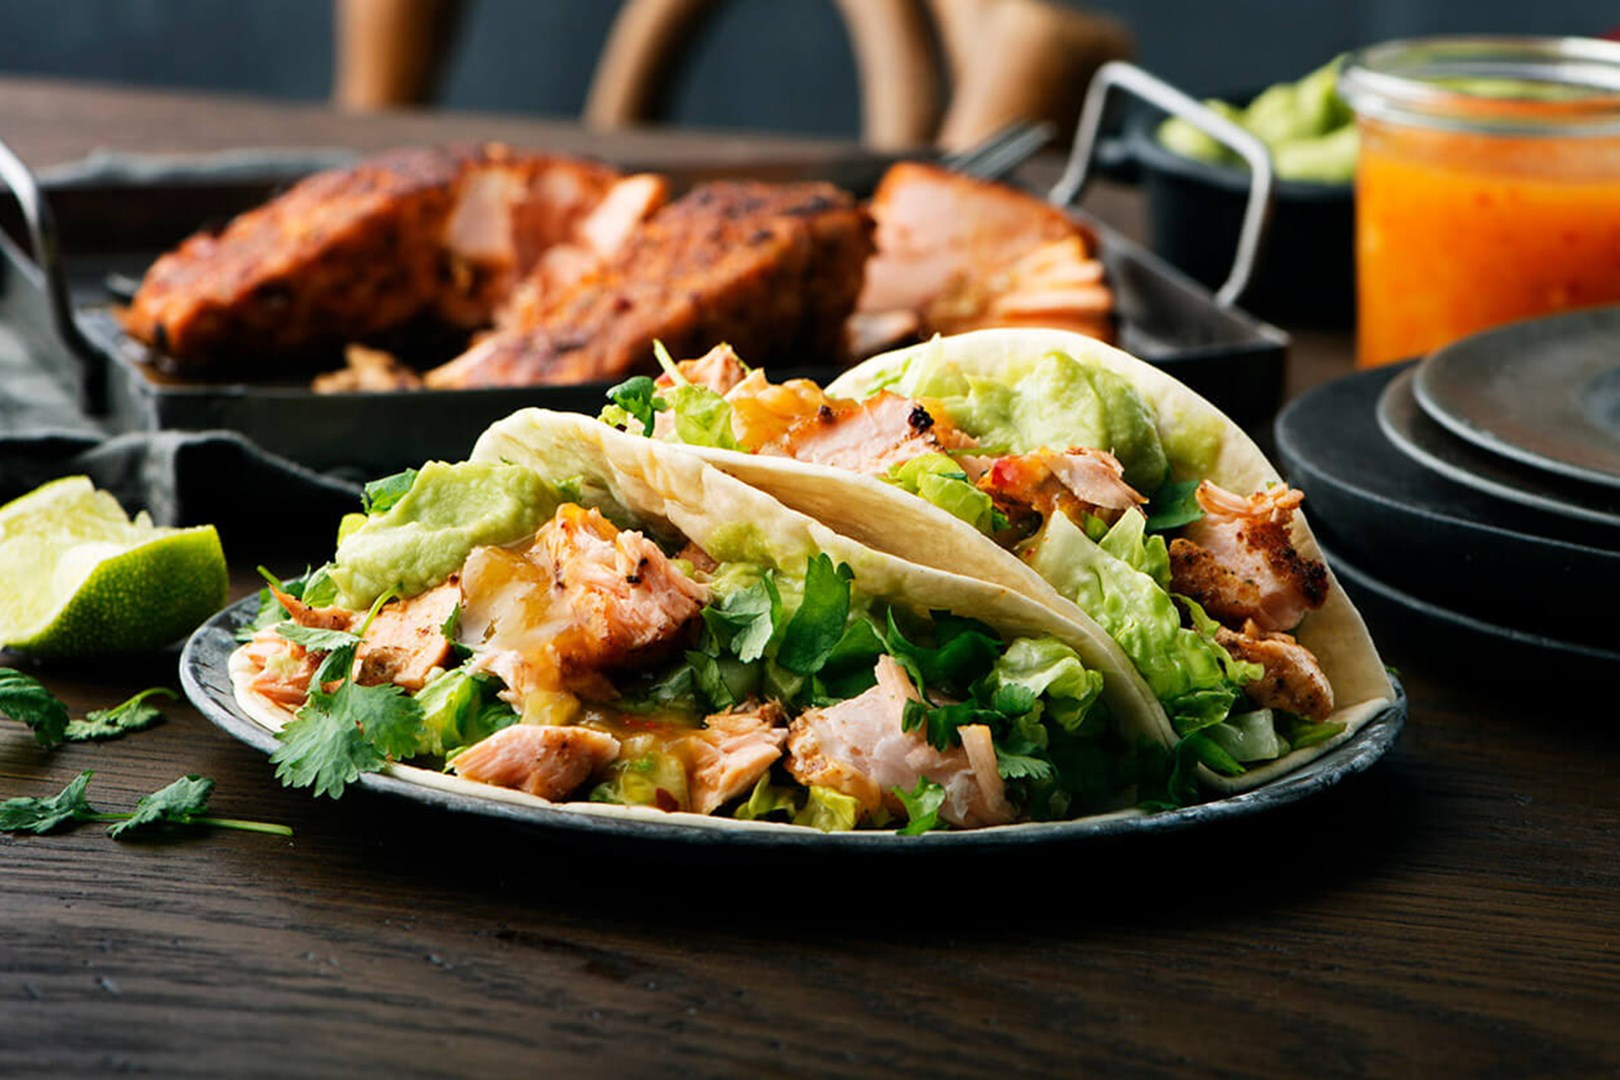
(1544, 392)
(1519, 647)
(1422, 533)
(1431, 445)
(204, 674)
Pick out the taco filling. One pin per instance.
(517, 632)
(1064, 465)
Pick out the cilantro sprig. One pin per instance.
(348, 730)
(25, 699)
(380, 495)
(922, 804)
(182, 804)
(136, 714)
(637, 399)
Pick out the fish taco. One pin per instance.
(1060, 467)
(579, 618)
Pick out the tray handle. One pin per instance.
(50, 278)
(1133, 80)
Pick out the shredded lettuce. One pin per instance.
(1250, 736)
(1049, 400)
(829, 810)
(702, 417)
(768, 798)
(922, 805)
(937, 478)
(1117, 588)
(459, 709)
(1044, 665)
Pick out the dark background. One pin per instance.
(765, 64)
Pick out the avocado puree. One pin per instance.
(1047, 401)
(427, 535)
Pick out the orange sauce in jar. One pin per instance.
(1475, 209)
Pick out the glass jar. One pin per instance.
(1488, 185)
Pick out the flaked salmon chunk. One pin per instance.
(859, 747)
(731, 753)
(584, 598)
(406, 641)
(1239, 561)
(1293, 680)
(1028, 487)
(549, 761)
(870, 436)
(961, 253)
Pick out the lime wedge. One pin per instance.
(79, 578)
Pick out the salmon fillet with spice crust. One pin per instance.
(435, 237)
(772, 269)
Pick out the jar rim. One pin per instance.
(1486, 84)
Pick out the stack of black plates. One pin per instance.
(1477, 491)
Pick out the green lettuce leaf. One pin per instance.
(922, 805)
(1185, 670)
(1248, 737)
(829, 810)
(937, 478)
(1044, 665)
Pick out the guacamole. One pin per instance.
(426, 535)
(1306, 125)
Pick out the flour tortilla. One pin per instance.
(663, 490)
(883, 516)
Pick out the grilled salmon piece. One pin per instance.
(860, 748)
(406, 640)
(414, 236)
(771, 269)
(732, 751)
(1293, 680)
(282, 669)
(1028, 487)
(1239, 561)
(549, 761)
(963, 253)
(582, 599)
(872, 435)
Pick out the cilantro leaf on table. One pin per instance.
(132, 715)
(922, 805)
(380, 495)
(38, 816)
(181, 803)
(24, 699)
(176, 804)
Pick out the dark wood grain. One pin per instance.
(1456, 911)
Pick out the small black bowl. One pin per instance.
(1306, 270)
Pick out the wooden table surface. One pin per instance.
(1455, 911)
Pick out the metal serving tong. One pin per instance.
(997, 156)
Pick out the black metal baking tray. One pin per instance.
(115, 220)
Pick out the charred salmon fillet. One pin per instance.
(965, 254)
(772, 269)
(436, 236)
